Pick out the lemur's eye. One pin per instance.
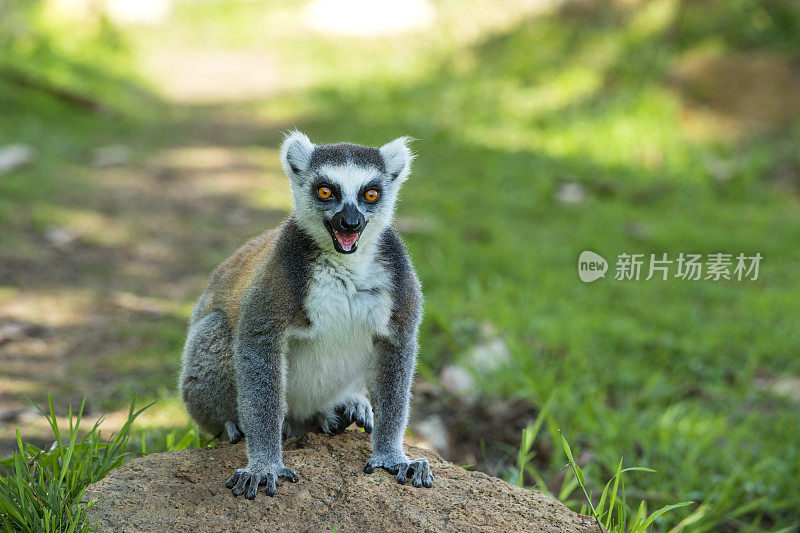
(324, 192)
(371, 195)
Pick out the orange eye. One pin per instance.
(371, 195)
(324, 192)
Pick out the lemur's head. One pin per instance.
(339, 189)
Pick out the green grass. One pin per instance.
(44, 488)
(612, 512)
(673, 375)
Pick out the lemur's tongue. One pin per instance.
(346, 240)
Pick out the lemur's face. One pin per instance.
(341, 189)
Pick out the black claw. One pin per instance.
(427, 484)
(338, 428)
(252, 489)
(272, 485)
(368, 428)
(238, 489)
(232, 480)
(368, 469)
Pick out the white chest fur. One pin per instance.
(347, 307)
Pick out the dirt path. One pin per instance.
(99, 304)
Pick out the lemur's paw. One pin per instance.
(234, 433)
(357, 409)
(354, 409)
(403, 467)
(247, 480)
(331, 422)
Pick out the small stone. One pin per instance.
(13, 329)
(457, 380)
(60, 237)
(489, 355)
(571, 192)
(14, 156)
(433, 434)
(111, 156)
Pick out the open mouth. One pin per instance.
(345, 243)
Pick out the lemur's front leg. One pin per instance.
(262, 408)
(391, 394)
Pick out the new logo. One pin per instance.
(591, 266)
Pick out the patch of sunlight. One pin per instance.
(276, 196)
(142, 12)
(54, 307)
(138, 12)
(83, 224)
(642, 134)
(201, 158)
(368, 18)
(469, 21)
(19, 386)
(565, 87)
(165, 413)
(653, 18)
(251, 174)
(148, 305)
(212, 76)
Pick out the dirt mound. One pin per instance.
(184, 490)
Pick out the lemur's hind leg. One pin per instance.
(207, 382)
(355, 408)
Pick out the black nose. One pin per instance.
(350, 223)
(348, 220)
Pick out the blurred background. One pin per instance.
(138, 149)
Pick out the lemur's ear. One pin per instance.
(296, 153)
(397, 157)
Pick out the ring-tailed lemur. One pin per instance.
(301, 323)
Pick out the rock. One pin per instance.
(457, 380)
(431, 434)
(12, 329)
(489, 355)
(14, 156)
(111, 156)
(60, 237)
(184, 491)
(571, 193)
